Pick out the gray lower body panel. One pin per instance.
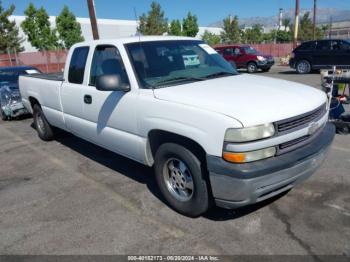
(232, 192)
(236, 185)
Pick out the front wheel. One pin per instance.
(252, 67)
(266, 69)
(181, 179)
(303, 67)
(42, 126)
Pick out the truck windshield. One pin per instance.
(166, 63)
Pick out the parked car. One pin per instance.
(320, 54)
(10, 99)
(246, 57)
(212, 135)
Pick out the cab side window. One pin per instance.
(236, 51)
(227, 51)
(107, 61)
(323, 45)
(77, 65)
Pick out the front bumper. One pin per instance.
(292, 63)
(236, 185)
(265, 64)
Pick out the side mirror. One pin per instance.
(111, 83)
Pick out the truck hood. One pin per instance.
(250, 99)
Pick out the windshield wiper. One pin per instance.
(219, 74)
(178, 79)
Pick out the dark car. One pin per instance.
(320, 54)
(246, 57)
(10, 99)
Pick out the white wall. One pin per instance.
(108, 28)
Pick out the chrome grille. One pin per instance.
(301, 120)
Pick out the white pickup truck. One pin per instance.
(213, 136)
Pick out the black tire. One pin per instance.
(42, 126)
(199, 201)
(252, 67)
(303, 67)
(266, 69)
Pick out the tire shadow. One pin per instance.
(144, 175)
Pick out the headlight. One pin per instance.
(261, 58)
(244, 157)
(249, 133)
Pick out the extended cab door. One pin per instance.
(71, 90)
(110, 116)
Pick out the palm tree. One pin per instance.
(286, 23)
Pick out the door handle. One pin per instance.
(87, 99)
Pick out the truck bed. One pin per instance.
(49, 76)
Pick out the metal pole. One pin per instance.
(296, 24)
(93, 21)
(314, 22)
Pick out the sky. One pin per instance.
(207, 11)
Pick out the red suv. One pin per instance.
(246, 57)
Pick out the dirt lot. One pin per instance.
(71, 197)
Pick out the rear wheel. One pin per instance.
(252, 67)
(181, 179)
(303, 67)
(42, 126)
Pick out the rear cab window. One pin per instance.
(77, 65)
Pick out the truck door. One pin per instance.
(110, 115)
(227, 54)
(71, 90)
(239, 56)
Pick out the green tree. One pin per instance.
(154, 23)
(190, 25)
(254, 35)
(283, 36)
(175, 28)
(9, 37)
(37, 27)
(231, 33)
(211, 38)
(68, 28)
(305, 32)
(324, 30)
(286, 22)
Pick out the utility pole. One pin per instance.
(314, 22)
(296, 24)
(93, 21)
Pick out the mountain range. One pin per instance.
(324, 16)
